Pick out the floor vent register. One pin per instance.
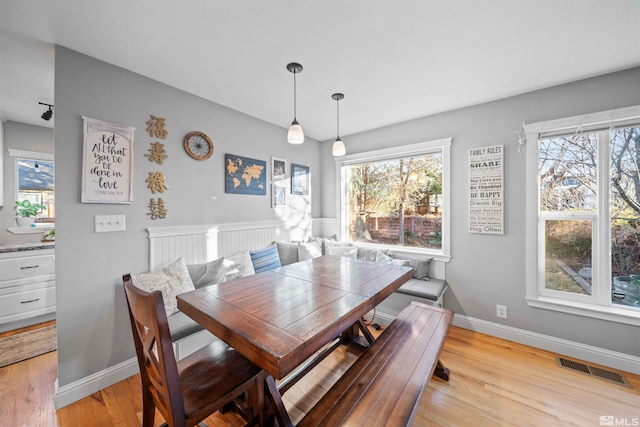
(593, 371)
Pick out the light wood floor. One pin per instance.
(493, 383)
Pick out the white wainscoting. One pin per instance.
(202, 243)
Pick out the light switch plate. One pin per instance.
(108, 223)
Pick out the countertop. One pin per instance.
(26, 247)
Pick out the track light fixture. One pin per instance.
(47, 114)
(295, 135)
(338, 148)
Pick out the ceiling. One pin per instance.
(394, 60)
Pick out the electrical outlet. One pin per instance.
(501, 311)
(107, 223)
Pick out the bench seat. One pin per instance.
(181, 325)
(431, 289)
(385, 385)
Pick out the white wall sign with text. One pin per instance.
(486, 190)
(107, 162)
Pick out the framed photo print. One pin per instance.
(299, 179)
(278, 194)
(278, 169)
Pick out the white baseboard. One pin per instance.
(600, 356)
(86, 386)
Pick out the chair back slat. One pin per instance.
(158, 368)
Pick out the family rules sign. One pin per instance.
(486, 190)
(107, 162)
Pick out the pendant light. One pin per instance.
(338, 148)
(295, 135)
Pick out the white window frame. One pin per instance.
(442, 146)
(598, 305)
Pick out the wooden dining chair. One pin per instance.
(190, 390)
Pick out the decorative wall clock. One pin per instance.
(198, 145)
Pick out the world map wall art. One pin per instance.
(244, 175)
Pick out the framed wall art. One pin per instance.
(486, 190)
(278, 169)
(244, 175)
(278, 194)
(107, 162)
(299, 179)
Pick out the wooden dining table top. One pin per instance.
(279, 318)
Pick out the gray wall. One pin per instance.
(93, 328)
(93, 325)
(486, 270)
(19, 136)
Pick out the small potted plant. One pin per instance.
(26, 212)
(49, 236)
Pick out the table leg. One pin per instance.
(275, 399)
(365, 331)
(441, 371)
(352, 335)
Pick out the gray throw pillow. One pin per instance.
(288, 252)
(208, 273)
(421, 264)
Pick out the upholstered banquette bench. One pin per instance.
(188, 336)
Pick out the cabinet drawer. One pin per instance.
(26, 267)
(27, 303)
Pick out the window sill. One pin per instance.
(436, 255)
(31, 230)
(629, 316)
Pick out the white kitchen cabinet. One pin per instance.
(27, 284)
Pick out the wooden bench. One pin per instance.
(386, 384)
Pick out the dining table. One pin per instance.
(286, 320)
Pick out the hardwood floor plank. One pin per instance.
(493, 382)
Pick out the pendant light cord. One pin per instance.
(338, 119)
(294, 96)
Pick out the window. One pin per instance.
(397, 197)
(35, 181)
(583, 214)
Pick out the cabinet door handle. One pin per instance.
(29, 266)
(31, 300)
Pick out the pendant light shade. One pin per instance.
(338, 148)
(295, 135)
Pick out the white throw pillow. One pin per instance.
(206, 274)
(172, 280)
(346, 251)
(382, 258)
(238, 265)
(308, 250)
